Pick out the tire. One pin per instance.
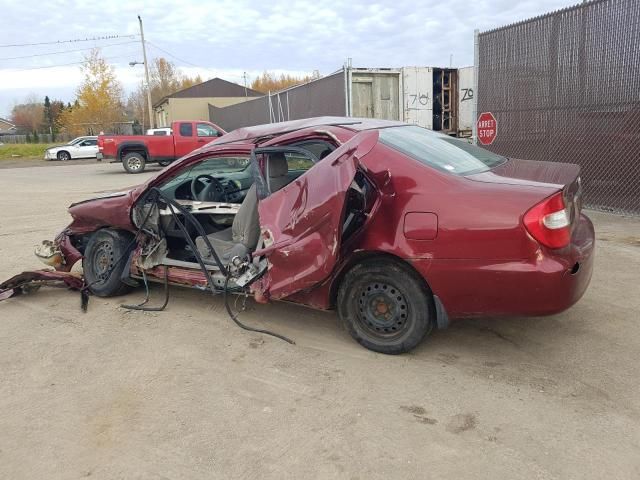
(105, 258)
(134, 162)
(385, 306)
(164, 163)
(63, 156)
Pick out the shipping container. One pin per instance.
(439, 99)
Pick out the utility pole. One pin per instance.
(146, 73)
(245, 84)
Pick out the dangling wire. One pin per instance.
(176, 209)
(189, 216)
(246, 327)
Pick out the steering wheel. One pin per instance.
(213, 192)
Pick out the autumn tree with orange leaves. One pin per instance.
(99, 104)
(165, 79)
(271, 82)
(27, 116)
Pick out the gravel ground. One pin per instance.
(186, 394)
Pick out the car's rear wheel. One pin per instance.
(385, 306)
(105, 258)
(164, 163)
(134, 162)
(63, 156)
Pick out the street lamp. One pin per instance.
(134, 63)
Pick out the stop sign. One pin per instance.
(487, 128)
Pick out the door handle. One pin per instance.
(200, 141)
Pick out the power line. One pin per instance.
(172, 55)
(185, 61)
(75, 40)
(63, 64)
(67, 51)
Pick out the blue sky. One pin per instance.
(228, 37)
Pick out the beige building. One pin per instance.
(193, 103)
(8, 128)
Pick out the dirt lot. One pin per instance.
(186, 394)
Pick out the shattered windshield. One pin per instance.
(217, 167)
(221, 165)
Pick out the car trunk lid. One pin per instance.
(529, 172)
(550, 177)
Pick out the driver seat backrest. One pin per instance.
(278, 169)
(245, 228)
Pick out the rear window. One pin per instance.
(440, 151)
(205, 130)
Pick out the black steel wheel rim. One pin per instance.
(382, 310)
(102, 261)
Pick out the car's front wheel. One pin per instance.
(63, 156)
(134, 162)
(104, 261)
(385, 306)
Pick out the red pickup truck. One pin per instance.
(135, 151)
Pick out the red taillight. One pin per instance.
(549, 222)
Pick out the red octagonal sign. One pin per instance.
(487, 128)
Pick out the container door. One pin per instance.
(465, 101)
(386, 95)
(417, 95)
(362, 91)
(376, 95)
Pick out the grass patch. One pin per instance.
(23, 150)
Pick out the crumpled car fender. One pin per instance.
(27, 280)
(70, 253)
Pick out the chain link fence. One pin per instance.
(324, 96)
(565, 87)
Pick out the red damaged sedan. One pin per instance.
(398, 228)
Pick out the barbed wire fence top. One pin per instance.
(565, 87)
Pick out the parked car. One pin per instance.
(398, 228)
(136, 151)
(80, 147)
(160, 131)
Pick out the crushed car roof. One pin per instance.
(272, 129)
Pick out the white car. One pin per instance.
(81, 147)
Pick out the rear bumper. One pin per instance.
(548, 283)
(101, 156)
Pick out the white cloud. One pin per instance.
(227, 37)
